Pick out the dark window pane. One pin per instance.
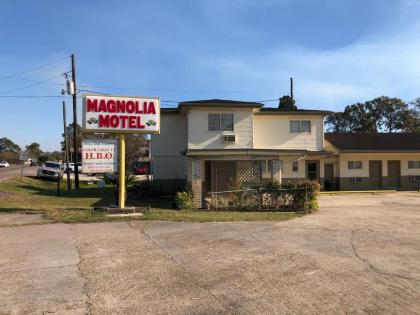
(294, 126)
(227, 122)
(214, 122)
(305, 126)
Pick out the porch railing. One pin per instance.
(259, 199)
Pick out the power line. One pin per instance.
(169, 90)
(168, 102)
(30, 85)
(31, 80)
(33, 96)
(31, 69)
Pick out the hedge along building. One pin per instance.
(219, 145)
(372, 161)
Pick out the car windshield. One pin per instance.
(52, 165)
(3, 161)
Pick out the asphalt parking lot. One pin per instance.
(358, 254)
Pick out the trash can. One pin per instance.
(330, 185)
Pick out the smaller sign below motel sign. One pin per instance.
(99, 156)
(120, 114)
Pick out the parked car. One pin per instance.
(79, 168)
(33, 163)
(4, 164)
(142, 170)
(50, 169)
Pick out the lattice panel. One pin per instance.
(233, 175)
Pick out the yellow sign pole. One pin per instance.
(121, 197)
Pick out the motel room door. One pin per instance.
(329, 171)
(375, 174)
(394, 174)
(312, 169)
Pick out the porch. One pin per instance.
(210, 174)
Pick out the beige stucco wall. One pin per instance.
(384, 157)
(168, 148)
(273, 132)
(200, 138)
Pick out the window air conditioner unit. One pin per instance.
(229, 138)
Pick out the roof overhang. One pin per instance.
(379, 151)
(253, 152)
(294, 112)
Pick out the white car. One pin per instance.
(4, 164)
(79, 168)
(50, 169)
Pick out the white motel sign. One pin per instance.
(99, 156)
(120, 114)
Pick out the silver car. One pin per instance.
(50, 169)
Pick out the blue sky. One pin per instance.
(338, 52)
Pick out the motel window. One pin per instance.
(220, 122)
(267, 166)
(413, 164)
(354, 165)
(297, 126)
(415, 178)
(295, 166)
(356, 180)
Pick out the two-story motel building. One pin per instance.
(219, 145)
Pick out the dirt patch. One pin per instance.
(4, 194)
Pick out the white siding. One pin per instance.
(168, 148)
(200, 138)
(273, 132)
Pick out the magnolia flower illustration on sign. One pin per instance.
(151, 123)
(92, 120)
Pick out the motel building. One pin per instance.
(219, 145)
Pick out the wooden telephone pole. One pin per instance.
(76, 151)
(66, 147)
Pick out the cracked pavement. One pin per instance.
(358, 254)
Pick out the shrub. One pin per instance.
(310, 194)
(184, 201)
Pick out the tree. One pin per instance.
(287, 103)
(8, 145)
(70, 137)
(382, 114)
(135, 147)
(34, 150)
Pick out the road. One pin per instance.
(359, 254)
(14, 170)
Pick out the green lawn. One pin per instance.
(33, 195)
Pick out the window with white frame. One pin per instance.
(295, 166)
(354, 165)
(413, 164)
(415, 178)
(298, 126)
(220, 122)
(356, 180)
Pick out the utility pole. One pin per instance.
(76, 151)
(66, 147)
(291, 88)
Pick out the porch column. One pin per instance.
(277, 170)
(196, 183)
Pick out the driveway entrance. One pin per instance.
(357, 254)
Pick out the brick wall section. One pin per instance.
(196, 188)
